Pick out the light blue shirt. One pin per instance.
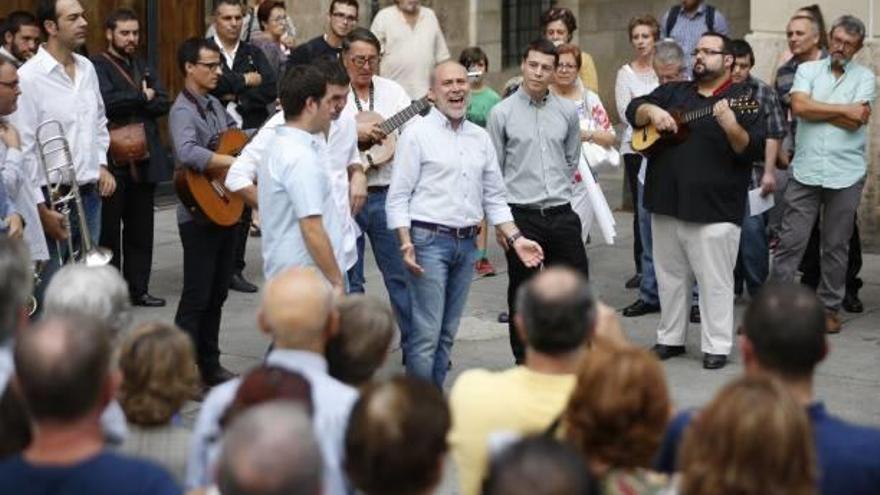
(826, 155)
(295, 184)
(445, 176)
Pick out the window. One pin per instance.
(519, 26)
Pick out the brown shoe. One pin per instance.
(832, 322)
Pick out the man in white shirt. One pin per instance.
(412, 43)
(58, 84)
(445, 160)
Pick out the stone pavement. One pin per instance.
(848, 381)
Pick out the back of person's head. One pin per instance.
(556, 311)
(752, 439)
(366, 327)
(97, 292)
(396, 438)
(620, 407)
(538, 466)
(298, 85)
(63, 368)
(332, 69)
(298, 308)
(16, 285)
(668, 52)
(46, 11)
(267, 384)
(784, 329)
(270, 450)
(159, 373)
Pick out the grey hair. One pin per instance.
(97, 292)
(16, 283)
(851, 25)
(270, 450)
(814, 22)
(668, 51)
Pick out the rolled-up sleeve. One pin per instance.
(404, 177)
(494, 191)
(243, 172)
(187, 149)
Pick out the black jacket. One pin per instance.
(253, 102)
(125, 105)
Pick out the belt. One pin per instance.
(544, 211)
(458, 233)
(376, 189)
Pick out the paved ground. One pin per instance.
(849, 380)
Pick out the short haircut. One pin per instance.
(396, 437)
(572, 50)
(299, 84)
(619, 408)
(332, 69)
(851, 25)
(563, 14)
(218, 3)
(725, 41)
(16, 20)
(123, 14)
(815, 14)
(785, 324)
(350, 3)
(542, 45)
(46, 11)
(266, 384)
(189, 51)
(366, 327)
(62, 381)
(270, 450)
(97, 292)
(538, 465)
(16, 283)
(560, 323)
(265, 10)
(668, 52)
(644, 20)
(742, 48)
(363, 35)
(159, 373)
(472, 55)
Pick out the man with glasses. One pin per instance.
(696, 192)
(537, 139)
(831, 99)
(342, 19)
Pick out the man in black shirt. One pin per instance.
(696, 192)
(343, 17)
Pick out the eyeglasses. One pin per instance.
(210, 65)
(707, 52)
(362, 61)
(10, 84)
(565, 67)
(344, 17)
(845, 44)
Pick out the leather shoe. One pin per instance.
(664, 352)
(714, 361)
(217, 375)
(832, 322)
(695, 314)
(640, 308)
(634, 282)
(852, 303)
(240, 284)
(148, 301)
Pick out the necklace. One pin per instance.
(357, 101)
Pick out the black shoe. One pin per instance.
(695, 314)
(852, 303)
(240, 284)
(640, 308)
(664, 352)
(634, 282)
(714, 361)
(216, 376)
(148, 301)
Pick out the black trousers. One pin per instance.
(811, 270)
(559, 234)
(242, 238)
(127, 230)
(208, 259)
(632, 162)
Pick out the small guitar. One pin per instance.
(204, 194)
(378, 153)
(647, 138)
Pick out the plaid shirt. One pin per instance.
(775, 119)
(784, 81)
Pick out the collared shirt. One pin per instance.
(389, 98)
(193, 128)
(445, 176)
(295, 184)
(48, 93)
(690, 27)
(332, 401)
(17, 182)
(409, 52)
(538, 146)
(826, 155)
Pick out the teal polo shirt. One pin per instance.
(826, 155)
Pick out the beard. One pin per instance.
(124, 49)
(706, 74)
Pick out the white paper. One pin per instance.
(758, 204)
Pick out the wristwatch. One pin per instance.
(513, 237)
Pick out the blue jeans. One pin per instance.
(648, 287)
(438, 298)
(386, 249)
(753, 260)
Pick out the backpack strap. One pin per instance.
(671, 19)
(710, 18)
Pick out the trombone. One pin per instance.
(57, 163)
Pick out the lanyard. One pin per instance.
(357, 101)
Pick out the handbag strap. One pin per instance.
(121, 70)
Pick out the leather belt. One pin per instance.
(544, 211)
(376, 189)
(458, 233)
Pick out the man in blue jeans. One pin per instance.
(445, 178)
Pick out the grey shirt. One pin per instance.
(538, 146)
(193, 130)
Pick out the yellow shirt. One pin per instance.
(588, 73)
(483, 403)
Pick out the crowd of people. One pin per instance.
(379, 133)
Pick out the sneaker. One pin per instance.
(484, 268)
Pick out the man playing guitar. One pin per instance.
(196, 121)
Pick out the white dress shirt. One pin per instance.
(18, 185)
(48, 93)
(446, 176)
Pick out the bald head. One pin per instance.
(297, 306)
(556, 311)
(450, 89)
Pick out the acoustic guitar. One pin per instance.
(648, 138)
(203, 194)
(373, 153)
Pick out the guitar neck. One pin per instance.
(395, 121)
(696, 114)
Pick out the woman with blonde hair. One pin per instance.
(752, 439)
